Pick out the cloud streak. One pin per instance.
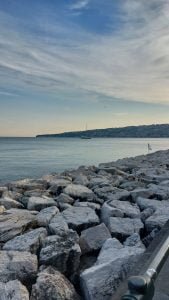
(131, 63)
(80, 5)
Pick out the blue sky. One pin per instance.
(65, 63)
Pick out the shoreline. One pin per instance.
(71, 230)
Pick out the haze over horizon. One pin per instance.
(67, 63)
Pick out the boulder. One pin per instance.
(18, 265)
(92, 205)
(81, 179)
(134, 241)
(57, 185)
(52, 285)
(2, 190)
(131, 185)
(56, 178)
(14, 222)
(93, 238)
(30, 241)
(108, 211)
(62, 252)
(112, 193)
(13, 290)
(124, 227)
(2, 209)
(148, 239)
(99, 181)
(10, 203)
(79, 191)
(63, 198)
(45, 215)
(141, 192)
(39, 203)
(112, 250)
(63, 206)
(114, 262)
(146, 213)
(114, 171)
(79, 218)
(157, 220)
(58, 225)
(57, 181)
(145, 203)
(26, 184)
(118, 208)
(36, 193)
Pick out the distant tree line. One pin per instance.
(143, 131)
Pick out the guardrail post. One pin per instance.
(141, 287)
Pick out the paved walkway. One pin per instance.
(162, 284)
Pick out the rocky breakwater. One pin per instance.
(77, 234)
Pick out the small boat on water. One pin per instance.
(85, 136)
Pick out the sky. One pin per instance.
(68, 63)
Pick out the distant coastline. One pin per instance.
(142, 131)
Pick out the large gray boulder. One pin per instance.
(18, 265)
(45, 215)
(98, 181)
(13, 290)
(92, 205)
(118, 208)
(10, 203)
(57, 185)
(62, 252)
(134, 241)
(124, 227)
(146, 213)
(63, 198)
(113, 170)
(39, 203)
(157, 220)
(79, 191)
(113, 264)
(112, 250)
(58, 225)
(57, 181)
(2, 209)
(79, 218)
(14, 222)
(81, 179)
(30, 241)
(112, 193)
(145, 203)
(3, 189)
(52, 285)
(26, 184)
(141, 192)
(93, 238)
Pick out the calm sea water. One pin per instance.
(31, 157)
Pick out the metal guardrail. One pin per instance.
(141, 282)
(142, 287)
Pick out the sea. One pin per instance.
(34, 157)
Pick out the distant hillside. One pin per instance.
(143, 131)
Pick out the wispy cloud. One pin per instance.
(3, 93)
(131, 63)
(78, 5)
(120, 114)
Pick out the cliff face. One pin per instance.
(144, 131)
